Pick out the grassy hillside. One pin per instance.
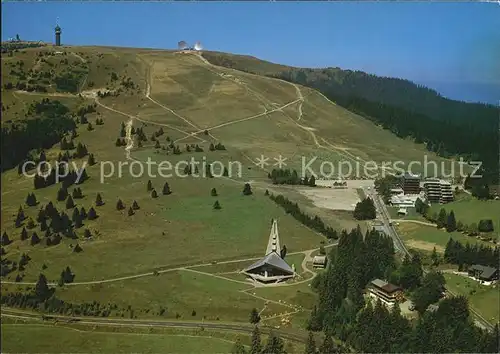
(165, 107)
(400, 106)
(42, 338)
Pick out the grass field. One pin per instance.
(50, 339)
(183, 95)
(470, 210)
(427, 237)
(484, 299)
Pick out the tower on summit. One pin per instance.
(58, 35)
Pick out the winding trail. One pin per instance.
(129, 139)
(180, 268)
(242, 119)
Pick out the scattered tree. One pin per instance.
(98, 200)
(254, 316)
(166, 189)
(247, 190)
(310, 344)
(119, 205)
(92, 215)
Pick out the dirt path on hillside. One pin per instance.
(149, 81)
(186, 267)
(341, 151)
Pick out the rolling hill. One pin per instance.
(129, 107)
(406, 109)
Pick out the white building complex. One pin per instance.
(271, 268)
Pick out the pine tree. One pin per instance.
(283, 252)
(217, 205)
(213, 193)
(43, 225)
(90, 127)
(150, 186)
(24, 234)
(34, 239)
(328, 347)
(20, 214)
(154, 194)
(83, 214)
(274, 345)
(91, 160)
(441, 219)
(41, 215)
(70, 204)
(315, 320)
(247, 190)
(256, 347)
(62, 194)
(31, 199)
(77, 249)
(226, 172)
(87, 233)
(312, 181)
(135, 205)
(119, 205)
(166, 189)
(42, 291)
(130, 211)
(238, 348)
(451, 223)
(211, 147)
(5, 239)
(434, 257)
(92, 215)
(98, 200)
(310, 344)
(254, 316)
(78, 221)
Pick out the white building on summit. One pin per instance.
(272, 268)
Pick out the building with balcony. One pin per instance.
(410, 183)
(387, 293)
(438, 191)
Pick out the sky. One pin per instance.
(451, 47)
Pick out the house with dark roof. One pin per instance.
(271, 268)
(483, 273)
(387, 293)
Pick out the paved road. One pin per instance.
(383, 214)
(287, 334)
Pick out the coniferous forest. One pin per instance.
(47, 122)
(371, 327)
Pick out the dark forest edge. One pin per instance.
(45, 124)
(344, 312)
(447, 127)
